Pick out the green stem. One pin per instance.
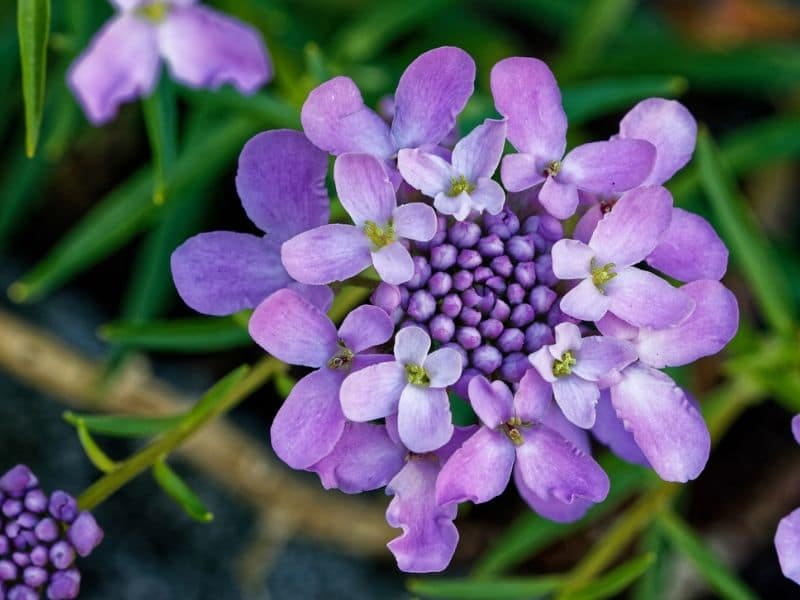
(194, 421)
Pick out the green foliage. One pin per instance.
(523, 588)
(180, 492)
(190, 335)
(33, 25)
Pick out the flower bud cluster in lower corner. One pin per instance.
(40, 538)
(549, 303)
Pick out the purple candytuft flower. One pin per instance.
(281, 182)
(413, 386)
(787, 537)
(336, 252)
(40, 538)
(526, 93)
(310, 421)
(202, 47)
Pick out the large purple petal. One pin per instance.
(373, 392)
(601, 355)
(534, 397)
(559, 198)
(393, 263)
(310, 421)
(411, 345)
(670, 127)
(364, 188)
(281, 181)
(712, 324)
(423, 418)
(326, 254)
(550, 508)
(222, 272)
(205, 48)
(429, 537)
(478, 471)
(320, 296)
(610, 430)
(576, 398)
(608, 167)
(646, 300)
(526, 93)
(365, 458)
(431, 92)
(335, 119)
(488, 196)
(666, 426)
(629, 233)
(292, 329)
(520, 172)
(428, 173)
(365, 327)
(585, 301)
(572, 259)
(415, 221)
(492, 402)
(478, 154)
(586, 225)
(787, 544)
(120, 64)
(690, 249)
(443, 367)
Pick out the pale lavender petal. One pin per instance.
(552, 468)
(553, 418)
(585, 302)
(432, 91)
(326, 254)
(559, 198)
(429, 537)
(520, 172)
(365, 327)
(710, 326)
(411, 346)
(393, 263)
(320, 296)
(646, 300)
(459, 206)
(534, 397)
(488, 196)
(364, 189)
(572, 259)
(568, 337)
(576, 398)
(796, 428)
(586, 225)
(205, 48)
(281, 181)
(423, 418)
(601, 355)
(610, 430)
(335, 119)
(310, 421)
(550, 508)
(670, 127)
(542, 361)
(526, 93)
(292, 329)
(478, 154)
(222, 272)
(690, 249)
(443, 367)
(787, 544)
(127, 4)
(365, 458)
(428, 173)
(120, 64)
(478, 471)
(373, 392)
(613, 326)
(415, 221)
(492, 402)
(634, 226)
(608, 167)
(666, 426)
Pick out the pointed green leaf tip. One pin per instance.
(180, 492)
(33, 29)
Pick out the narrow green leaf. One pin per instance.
(284, 383)
(160, 118)
(180, 492)
(217, 393)
(33, 28)
(616, 580)
(740, 230)
(123, 426)
(510, 588)
(722, 579)
(194, 334)
(653, 584)
(99, 458)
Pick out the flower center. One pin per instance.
(553, 168)
(343, 357)
(602, 275)
(155, 11)
(417, 375)
(379, 236)
(512, 430)
(459, 184)
(563, 366)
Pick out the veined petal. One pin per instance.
(393, 263)
(488, 196)
(586, 225)
(365, 327)
(520, 172)
(600, 355)
(542, 361)
(428, 173)
(585, 302)
(424, 421)
(443, 367)
(432, 91)
(478, 154)
(411, 345)
(610, 430)
(559, 198)
(364, 189)
(646, 300)
(568, 337)
(373, 392)
(608, 167)
(576, 398)
(572, 259)
(335, 119)
(120, 64)
(492, 402)
(549, 507)
(292, 329)
(415, 221)
(326, 254)
(534, 397)
(459, 206)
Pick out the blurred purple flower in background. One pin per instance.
(40, 537)
(787, 537)
(202, 47)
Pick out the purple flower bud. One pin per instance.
(514, 366)
(555, 316)
(17, 480)
(470, 316)
(551, 228)
(421, 305)
(40, 556)
(544, 270)
(8, 570)
(470, 297)
(497, 284)
(531, 224)
(65, 585)
(468, 337)
(541, 299)
(491, 245)
(22, 592)
(85, 534)
(36, 501)
(540, 244)
(21, 559)
(522, 314)
(515, 293)
(63, 506)
(62, 555)
(486, 302)
(443, 257)
(34, 576)
(504, 224)
(469, 259)
(4, 545)
(460, 350)
(404, 296)
(27, 520)
(422, 271)
(451, 305)
(520, 248)
(500, 311)
(12, 507)
(386, 296)
(487, 359)
(462, 280)
(442, 328)
(46, 530)
(482, 274)
(525, 274)
(502, 265)
(463, 383)
(440, 283)
(12, 529)
(491, 328)
(511, 340)
(538, 335)
(464, 234)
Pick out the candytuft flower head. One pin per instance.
(202, 47)
(41, 537)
